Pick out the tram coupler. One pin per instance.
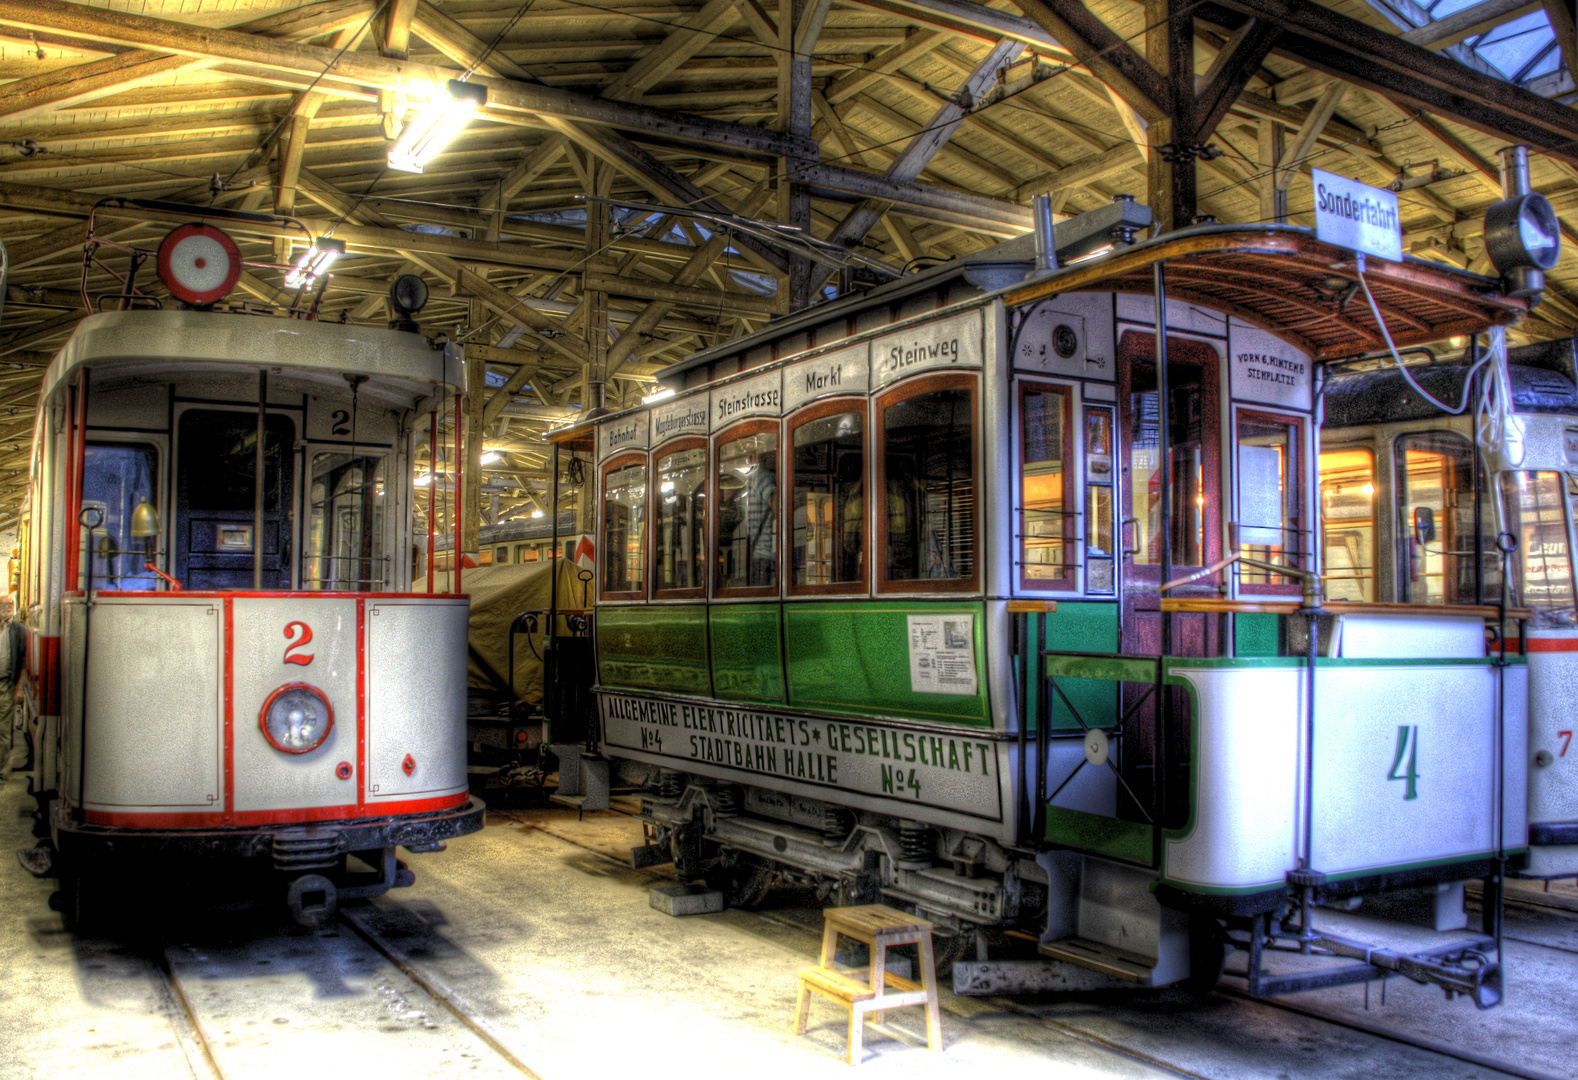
(1463, 967)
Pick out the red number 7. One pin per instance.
(1567, 740)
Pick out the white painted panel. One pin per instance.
(1397, 637)
(625, 433)
(1181, 315)
(270, 779)
(846, 371)
(1266, 368)
(154, 731)
(1553, 692)
(927, 346)
(680, 416)
(416, 698)
(761, 396)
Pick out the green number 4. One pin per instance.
(1407, 743)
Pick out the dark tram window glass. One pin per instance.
(215, 477)
(1436, 555)
(829, 513)
(624, 529)
(116, 477)
(679, 520)
(927, 524)
(345, 525)
(1047, 514)
(1542, 566)
(1347, 522)
(1269, 497)
(748, 510)
(1186, 478)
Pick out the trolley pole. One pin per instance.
(257, 485)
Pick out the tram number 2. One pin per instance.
(302, 633)
(897, 781)
(1407, 748)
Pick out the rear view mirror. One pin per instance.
(1424, 524)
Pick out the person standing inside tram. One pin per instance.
(14, 750)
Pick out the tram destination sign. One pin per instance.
(1357, 216)
(954, 771)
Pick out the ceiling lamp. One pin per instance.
(198, 264)
(314, 262)
(425, 137)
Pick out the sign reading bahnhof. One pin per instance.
(945, 769)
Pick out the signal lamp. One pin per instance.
(296, 718)
(407, 296)
(198, 264)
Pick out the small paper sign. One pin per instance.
(1357, 216)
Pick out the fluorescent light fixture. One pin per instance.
(536, 513)
(425, 138)
(657, 395)
(490, 456)
(315, 262)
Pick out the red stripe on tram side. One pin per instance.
(228, 662)
(1547, 644)
(361, 706)
(209, 819)
(49, 675)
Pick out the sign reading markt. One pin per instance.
(1357, 216)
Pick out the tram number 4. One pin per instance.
(652, 740)
(896, 781)
(293, 654)
(1407, 747)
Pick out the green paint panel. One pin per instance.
(747, 653)
(1117, 668)
(1091, 628)
(853, 656)
(654, 647)
(1100, 835)
(1257, 634)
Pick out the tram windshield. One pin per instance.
(1347, 504)
(345, 529)
(1269, 495)
(928, 525)
(1438, 559)
(748, 511)
(680, 520)
(116, 477)
(828, 511)
(1536, 509)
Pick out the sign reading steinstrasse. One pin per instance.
(1357, 216)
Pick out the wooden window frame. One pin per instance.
(744, 430)
(1241, 413)
(676, 446)
(913, 388)
(816, 411)
(1068, 580)
(612, 465)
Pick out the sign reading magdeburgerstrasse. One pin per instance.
(1357, 216)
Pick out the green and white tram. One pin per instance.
(997, 604)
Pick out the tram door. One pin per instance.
(214, 502)
(1194, 471)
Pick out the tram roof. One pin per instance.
(1279, 277)
(139, 342)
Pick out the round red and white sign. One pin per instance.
(199, 264)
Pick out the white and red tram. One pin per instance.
(225, 658)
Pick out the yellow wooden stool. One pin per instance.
(873, 989)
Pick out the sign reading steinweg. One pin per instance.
(1357, 216)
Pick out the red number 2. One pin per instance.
(1567, 740)
(306, 636)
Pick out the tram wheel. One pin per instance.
(744, 880)
(1208, 949)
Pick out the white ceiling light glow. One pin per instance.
(425, 138)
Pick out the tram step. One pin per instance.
(1118, 963)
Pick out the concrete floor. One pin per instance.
(535, 933)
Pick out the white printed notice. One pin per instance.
(1357, 216)
(942, 653)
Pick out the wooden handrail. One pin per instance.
(1213, 605)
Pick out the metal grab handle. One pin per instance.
(1124, 530)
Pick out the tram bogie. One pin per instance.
(904, 582)
(226, 663)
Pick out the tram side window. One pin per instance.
(827, 509)
(1436, 555)
(116, 477)
(1347, 514)
(680, 519)
(1269, 496)
(345, 525)
(928, 458)
(624, 529)
(747, 555)
(1542, 567)
(1187, 489)
(1046, 514)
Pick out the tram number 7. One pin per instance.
(1407, 746)
(897, 781)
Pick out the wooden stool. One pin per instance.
(873, 989)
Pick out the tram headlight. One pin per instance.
(296, 718)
